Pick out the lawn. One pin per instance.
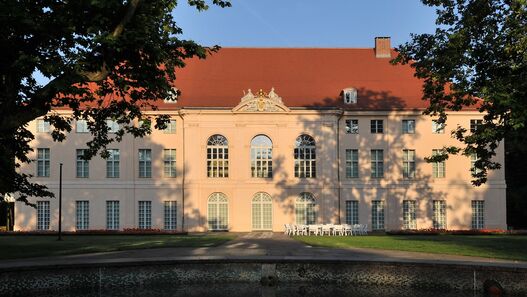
(12, 247)
(489, 246)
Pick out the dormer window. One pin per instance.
(172, 95)
(349, 96)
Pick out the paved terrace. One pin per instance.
(260, 247)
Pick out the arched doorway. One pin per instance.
(262, 212)
(218, 212)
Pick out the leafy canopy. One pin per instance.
(476, 57)
(106, 59)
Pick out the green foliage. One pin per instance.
(110, 59)
(477, 58)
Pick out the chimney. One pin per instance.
(382, 47)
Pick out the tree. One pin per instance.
(477, 57)
(106, 59)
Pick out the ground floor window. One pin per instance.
(439, 210)
(262, 211)
(218, 212)
(82, 215)
(305, 212)
(478, 214)
(145, 214)
(43, 214)
(409, 214)
(170, 215)
(377, 215)
(112, 215)
(352, 212)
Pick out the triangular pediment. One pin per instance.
(261, 102)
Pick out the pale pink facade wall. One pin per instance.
(239, 187)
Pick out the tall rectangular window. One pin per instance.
(145, 214)
(43, 215)
(112, 215)
(473, 159)
(82, 215)
(352, 212)
(377, 163)
(474, 124)
(478, 214)
(438, 168)
(376, 126)
(409, 214)
(169, 162)
(437, 127)
(352, 126)
(83, 168)
(43, 162)
(81, 126)
(145, 163)
(170, 215)
(42, 126)
(439, 209)
(113, 126)
(408, 126)
(377, 215)
(352, 163)
(171, 127)
(408, 163)
(112, 163)
(305, 157)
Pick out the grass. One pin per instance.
(487, 246)
(12, 247)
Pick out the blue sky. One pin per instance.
(305, 23)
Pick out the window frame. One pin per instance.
(305, 167)
(43, 126)
(171, 127)
(113, 162)
(305, 209)
(112, 214)
(352, 163)
(145, 163)
(439, 209)
(217, 156)
(378, 215)
(409, 164)
(261, 167)
(377, 126)
(352, 126)
(82, 215)
(438, 168)
(478, 214)
(84, 126)
(408, 128)
(144, 209)
(169, 163)
(218, 212)
(377, 163)
(82, 166)
(43, 162)
(352, 212)
(409, 214)
(43, 215)
(170, 214)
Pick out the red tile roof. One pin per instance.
(303, 77)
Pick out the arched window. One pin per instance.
(261, 156)
(305, 156)
(218, 212)
(217, 156)
(305, 209)
(262, 211)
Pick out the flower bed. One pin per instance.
(457, 232)
(125, 231)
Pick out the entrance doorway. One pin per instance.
(7, 216)
(262, 212)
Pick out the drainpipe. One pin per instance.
(183, 174)
(338, 165)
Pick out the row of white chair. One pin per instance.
(326, 229)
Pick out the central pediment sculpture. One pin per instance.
(261, 102)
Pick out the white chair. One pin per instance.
(357, 229)
(326, 229)
(348, 229)
(365, 229)
(303, 230)
(313, 229)
(288, 229)
(338, 230)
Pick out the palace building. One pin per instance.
(261, 137)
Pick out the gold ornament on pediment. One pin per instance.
(261, 102)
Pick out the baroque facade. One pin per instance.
(331, 136)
